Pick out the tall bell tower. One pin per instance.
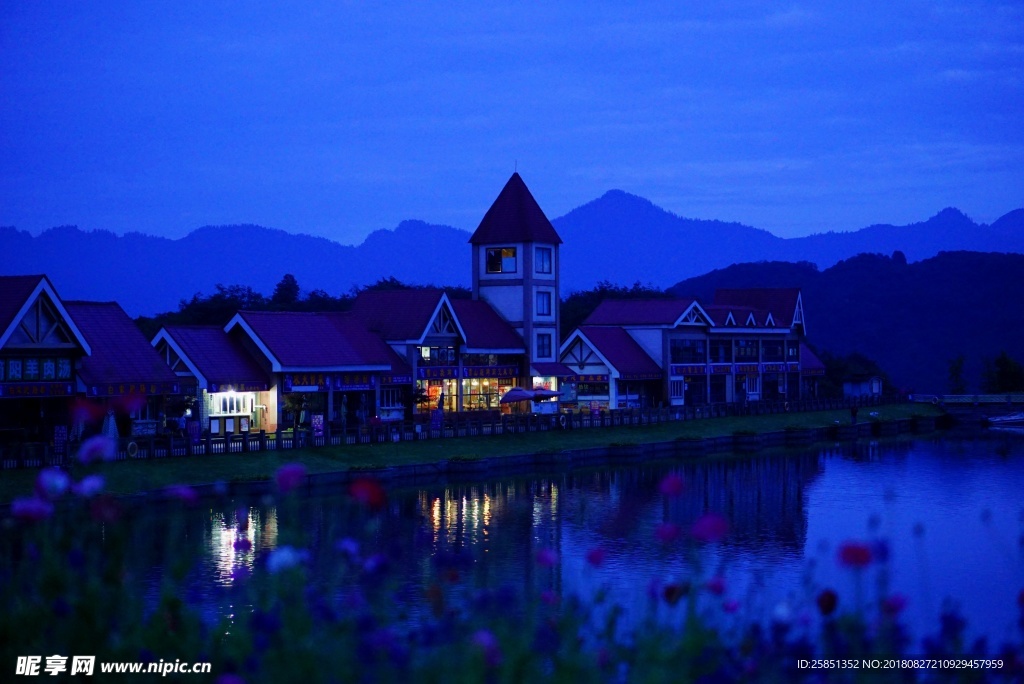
(515, 269)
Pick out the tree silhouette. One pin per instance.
(286, 293)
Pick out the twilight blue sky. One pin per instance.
(337, 118)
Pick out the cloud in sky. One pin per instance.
(338, 119)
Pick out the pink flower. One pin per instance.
(546, 558)
(856, 555)
(89, 486)
(184, 494)
(716, 585)
(667, 532)
(290, 476)
(672, 485)
(596, 556)
(31, 509)
(84, 411)
(52, 483)
(369, 493)
(98, 448)
(709, 527)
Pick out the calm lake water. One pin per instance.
(949, 510)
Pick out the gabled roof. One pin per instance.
(212, 355)
(313, 341)
(486, 331)
(401, 315)
(120, 352)
(809, 360)
(515, 216)
(18, 293)
(782, 303)
(619, 348)
(653, 312)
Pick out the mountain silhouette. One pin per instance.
(619, 237)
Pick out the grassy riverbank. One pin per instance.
(136, 476)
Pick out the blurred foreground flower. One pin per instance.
(709, 527)
(98, 448)
(488, 645)
(368, 492)
(52, 483)
(89, 486)
(290, 476)
(854, 555)
(672, 485)
(827, 601)
(31, 509)
(284, 558)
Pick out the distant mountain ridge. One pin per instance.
(618, 237)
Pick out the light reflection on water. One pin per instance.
(949, 511)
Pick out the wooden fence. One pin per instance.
(28, 455)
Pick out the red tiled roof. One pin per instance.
(318, 340)
(552, 368)
(621, 350)
(397, 315)
(720, 314)
(484, 327)
(218, 357)
(120, 352)
(780, 302)
(515, 216)
(638, 311)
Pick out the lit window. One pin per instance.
(543, 303)
(501, 260)
(543, 259)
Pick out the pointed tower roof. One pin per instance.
(515, 216)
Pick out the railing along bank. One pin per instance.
(452, 427)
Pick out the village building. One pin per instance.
(228, 391)
(327, 371)
(123, 376)
(461, 354)
(745, 346)
(41, 349)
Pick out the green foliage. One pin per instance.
(1002, 374)
(286, 293)
(580, 304)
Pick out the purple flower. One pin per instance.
(709, 527)
(893, 605)
(31, 509)
(89, 486)
(489, 646)
(290, 476)
(672, 485)
(667, 532)
(52, 483)
(183, 493)
(716, 585)
(547, 558)
(98, 448)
